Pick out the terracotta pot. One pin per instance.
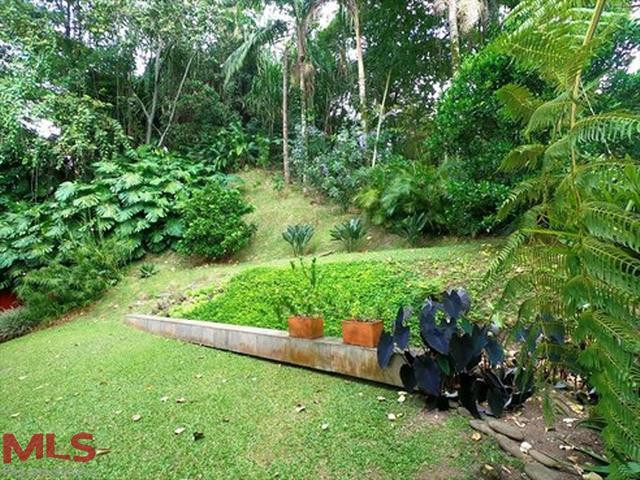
(306, 327)
(365, 334)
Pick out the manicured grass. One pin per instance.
(94, 373)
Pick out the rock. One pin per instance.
(591, 476)
(464, 412)
(544, 459)
(537, 471)
(482, 427)
(509, 446)
(506, 429)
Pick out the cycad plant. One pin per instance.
(350, 233)
(298, 236)
(575, 259)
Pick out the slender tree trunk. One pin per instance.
(380, 119)
(154, 97)
(285, 115)
(175, 100)
(362, 89)
(454, 36)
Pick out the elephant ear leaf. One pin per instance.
(401, 332)
(385, 349)
(461, 351)
(497, 395)
(408, 377)
(467, 394)
(452, 304)
(494, 351)
(427, 374)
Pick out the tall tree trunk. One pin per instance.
(362, 90)
(175, 100)
(380, 119)
(285, 115)
(154, 98)
(454, 35)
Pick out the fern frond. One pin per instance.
(524, 156)
(527, 192)
(611, 265)
(624, 332)
(606, 127)
(549, 114)
(610, 222)
(518, 101)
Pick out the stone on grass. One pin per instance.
(509, 446)
(544, 459)
(482, 427)
(506, 429)
(537, 471)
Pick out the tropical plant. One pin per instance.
(456, 355)
(74, 277)
(411, 228)
(576, 255)
(350, 233)
(298, 236)
(147, 270)
(214, 223)
(305, 300)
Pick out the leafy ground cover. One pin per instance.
(257, 297)
(95, 373)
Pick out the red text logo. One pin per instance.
(45, 445)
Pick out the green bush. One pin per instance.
(75, 278)
(214, 224)
(255, 297)
(135, 196)
(16, 322)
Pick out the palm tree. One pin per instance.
(302, 13)
(353, 8)
(463, 16)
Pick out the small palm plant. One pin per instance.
(350, 233)
(298, 236)
(411, 228)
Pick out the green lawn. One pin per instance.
(93, 373)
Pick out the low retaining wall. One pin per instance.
(327, 353)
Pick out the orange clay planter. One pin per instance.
(306, 327)
(358, 332)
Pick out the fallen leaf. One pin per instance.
(198, 436)
(22, 377)
(118, 412)
(391, 416)
(591, 476)
(136, 417)
(15, 415)
(401, 399)
(199, 375)
(300, 408)
(525, 447)
(102, 451)
(179, 430)
(164, 399)
(380, 398)
(476, 436)
(402, 393)
(181, 400)
(324, 426)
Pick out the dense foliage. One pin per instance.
(258, 296)
(214, 224)
(578, 279)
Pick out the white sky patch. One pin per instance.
(634, 66)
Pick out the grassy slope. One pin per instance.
(276, 210)
(94, 373)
